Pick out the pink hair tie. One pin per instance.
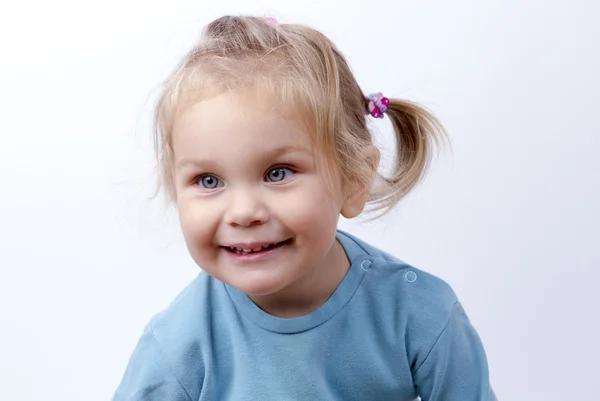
(271, 19)
(378, 104)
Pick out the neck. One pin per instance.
(311, 291)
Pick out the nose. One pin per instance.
(246, 208)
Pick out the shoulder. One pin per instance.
(415, 288)
(417, 304)
(183, 328)
(182, 316)
(167, 361)
(182, 331)
(445, 354)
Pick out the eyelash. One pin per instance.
(197, 179)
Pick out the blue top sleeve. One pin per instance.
(456, 367)
(148, 376)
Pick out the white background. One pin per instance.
(510, 218)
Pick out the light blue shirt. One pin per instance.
(388, 332)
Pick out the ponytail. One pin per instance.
(417, 131)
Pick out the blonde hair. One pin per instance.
(301, 67)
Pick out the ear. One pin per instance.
(357, 194)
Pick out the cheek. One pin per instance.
(196, 223)
(310, 209)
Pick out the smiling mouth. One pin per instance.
(263, 248)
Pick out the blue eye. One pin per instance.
(279, 174)
(209, 182)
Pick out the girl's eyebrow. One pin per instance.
(281, 150)
(194, 163)
(268, 153)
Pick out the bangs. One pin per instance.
(290, 91)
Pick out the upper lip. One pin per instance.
(251, 245)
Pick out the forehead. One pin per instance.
(237, 125)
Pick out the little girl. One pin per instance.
(262, 142)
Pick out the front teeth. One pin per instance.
(246, 251)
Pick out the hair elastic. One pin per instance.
(271, 19)
(377, 105)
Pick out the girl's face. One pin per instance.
(254, 210)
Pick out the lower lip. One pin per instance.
(256, 256)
